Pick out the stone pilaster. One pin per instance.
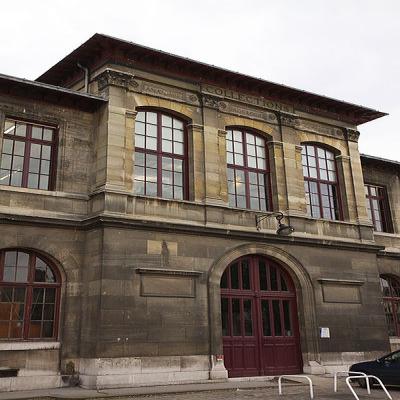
(278, 182)
(212, 157)
(196, 162)
(129, 157)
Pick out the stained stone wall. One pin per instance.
(141, 300)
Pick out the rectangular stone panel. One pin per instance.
(167, 286)
(341, 291)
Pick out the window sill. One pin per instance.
(394, 340)
(387, 234)
(25, 345)
(52, 193)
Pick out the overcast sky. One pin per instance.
(346, 49)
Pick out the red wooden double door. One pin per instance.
(259, 319)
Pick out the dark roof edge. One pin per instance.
(59, 89)
(238, 73)
(373, 114)
(379, 159)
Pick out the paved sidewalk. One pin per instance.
(234, 389)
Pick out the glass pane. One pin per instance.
(151, 175)
(151, 130)
(151, 143)
(47, 329)
(224, 316)
(178, 178)
(6, 294)
(139, 141)
(235, 276)
(277, 317)
(167, 133)
(151, 189)
(48, 312)
(248, 320)
(140, 116)
(178, 136)
(167, 191)
(151, 117)
(178, 148)
(16, 179)
(38, 295)
(10, 258)
(167, 177)
(265, 318)
(16, 330)
(35, 150)
(20, 129)
(166, 121)
(34, 329)
(286, 318)
(263, 275)
(236, 317)
(9, 274)
(178, 124)
(224, 280)
(23, 259)
(44, 182)
(18, 163)
(22, 274)
(5, 311)
(6, 161)
(178, 165)
(34, 164)
(284, 287)
(37, 132)
(47, 134)
(7, 146)
(19, 148)
(50, 295)
(274, 278)
(178, 193)
(139, 187)
(9, 128)
(245, 275)
(46, 150)
(45, 167)
(140, 128)
(36, 312)
(167, 146)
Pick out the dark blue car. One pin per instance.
(386, 368)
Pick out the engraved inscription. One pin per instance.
(320, 128)
(168, 93)
(246, 112)
(247, 98)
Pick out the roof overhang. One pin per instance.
(101, 49)
(13, 86)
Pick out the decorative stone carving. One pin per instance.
(167, 92)
(114, 78)
(352, 135)
(253, 113)
(290, 120)
(322, 129)
(211, 102)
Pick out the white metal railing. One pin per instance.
(335, 379)
(368, 376)
(296, 376)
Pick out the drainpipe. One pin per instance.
(86, 71)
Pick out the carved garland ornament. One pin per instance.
(114, 78)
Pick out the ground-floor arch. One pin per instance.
(302, 297)
(259, 319)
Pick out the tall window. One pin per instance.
(377, 207)
(29, 296)
(391, 301)
(320, 182)
(27, 156)
(248, 170)
(160, 155)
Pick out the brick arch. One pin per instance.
(304, 291)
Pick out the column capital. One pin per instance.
(195, 127)
(222, 132)
(130, 114)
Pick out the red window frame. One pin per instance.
(29, 286)
(378, 194)
(247, 170)
(28, 141)
(333, 189)
(390, 286)
(159, 153)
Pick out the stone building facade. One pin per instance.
(139, 244)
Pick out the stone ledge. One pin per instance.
(11, 346)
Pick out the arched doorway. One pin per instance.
(259, 319)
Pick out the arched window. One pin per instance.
(248, 170)
(391, 301)
(320, 182)
(29, 296)
(160, 155)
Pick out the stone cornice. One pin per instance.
(102, 221)
(115, 78)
